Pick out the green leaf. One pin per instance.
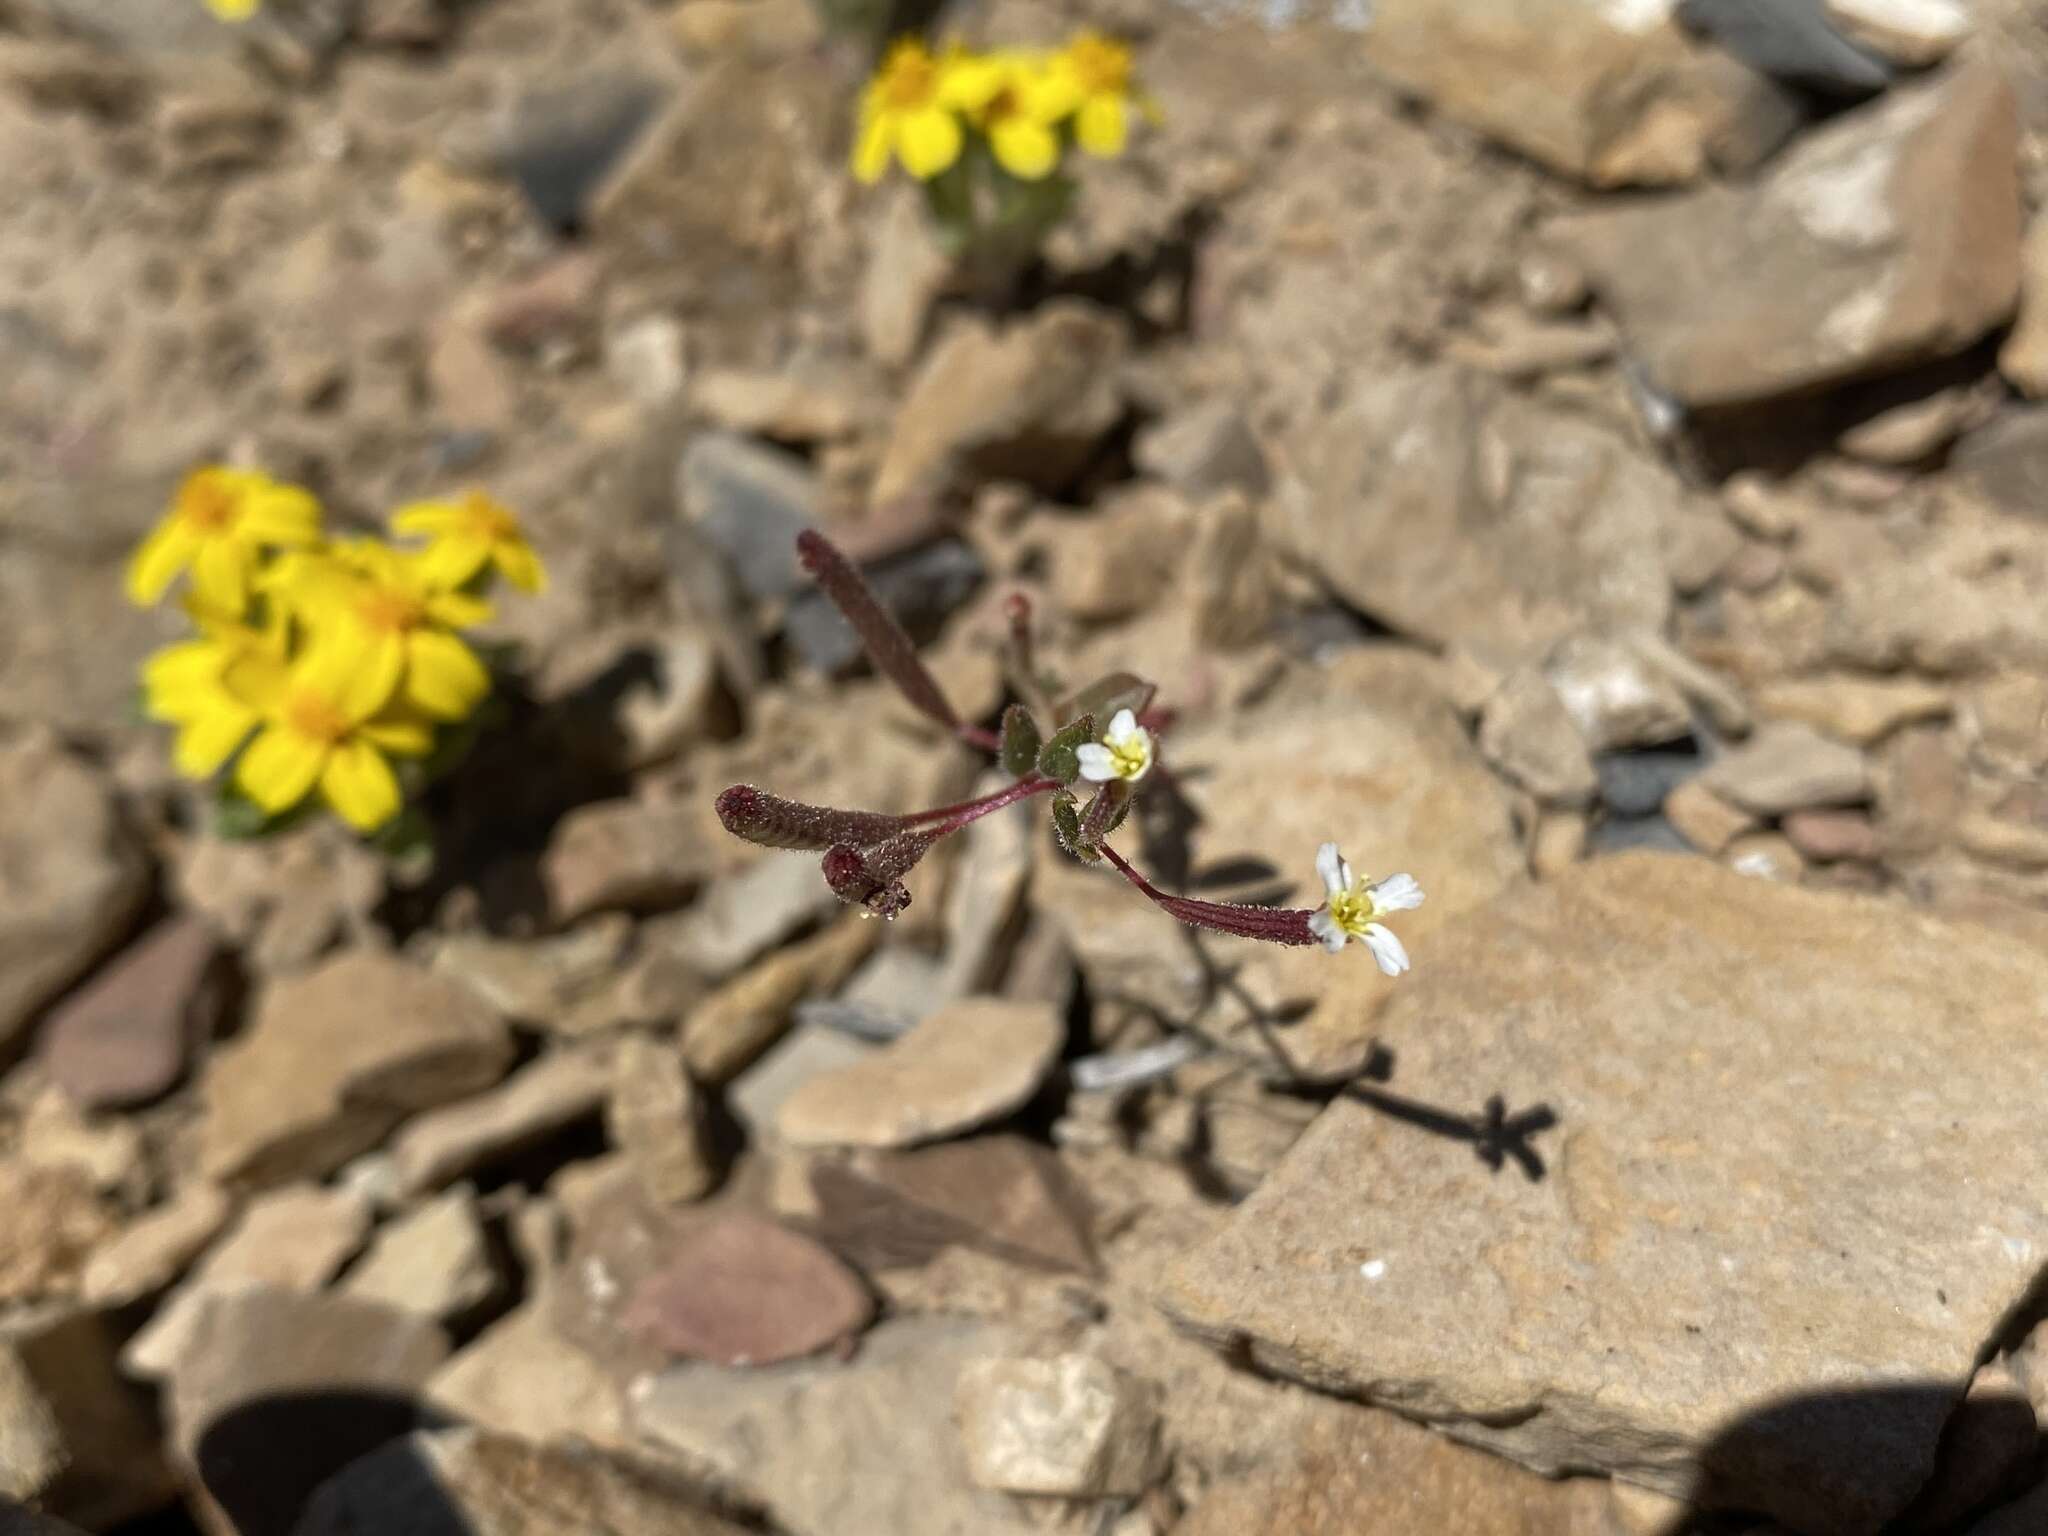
(1066, 828)
(1105, 696)
(237, 818)
(1059, 759)
(1105, 813)
(1021, 741)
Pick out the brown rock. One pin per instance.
(1327, 1273)
(741, 1290)
(54, 1221)
(498, 1485)
(906, 272)
(1616, 695)
(1887, 237)
(623, 854)
(284, 900)
(1862, 710)
(971, 1062)
(807, 402)
(1703, 818)
(2023, 358)
(759, 31)
(1000, 1195)
(152, 1251)
(739, 1021)
(1915, 33)
(655, 1116)
(744, 914)
(1071, 1427)
(520, 1377)
(335, 1058)
(72, 876)
(1203, 450)
(541, 1098)
(1451, 513)
(1526, 732)
(551, 304)
(538, 981)
(433, 1260)
(1829, 835)
(108, 1151)
(124, 1038)
(1765, 856)
(1786, 766)
(1031, 402)
(1233, 578)
(1611, 98)
(1917, 429)
(1123, 557)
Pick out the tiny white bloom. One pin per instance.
(1354, 907)
(1125, 752)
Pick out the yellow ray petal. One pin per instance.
(210, 739)
(399, 732)
(871, 149)
(928, 141)
(521, 566)
(429, 519)
(158, 560)
(279, 767)
(1103, 125)
(1026, 149)
(281, 514)
(360, 786)
(442, 675)
(221, 575)
(451, 561)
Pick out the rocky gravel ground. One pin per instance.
(1585, 454)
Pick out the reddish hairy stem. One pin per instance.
(951, 818)
(1272, 925)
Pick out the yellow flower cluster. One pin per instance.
(319, 660)
(922, 109)
(233, 10)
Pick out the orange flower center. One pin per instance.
(909, 79)
(312, 714)
(389, 611)
(1104, 68)
(488, 520)
(208, 506)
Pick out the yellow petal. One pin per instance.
(399, 731)
(458, 610)
(256, 678)
(158, 560)
(1102, 126)
(281, 514)
(279, 767)
(221, 574)
(1026, 149)
(233, 10)
(210, 739)
(360, 786)
(451, 561)
(521, 566)
(927, 141)
(971, 83)
(442, 675)
(871, 149)
(430, 519)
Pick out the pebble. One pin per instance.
(655, 1115)
(1826, 836)
(1788, 766)
(1704, 819)
(434, 1260)
(1071, 1427)
(124, 1038)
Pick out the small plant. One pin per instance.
(1103, 744)
(986, 134)
(318, 665)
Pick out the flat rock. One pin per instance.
(1787, 766)
(280, 1391)
(520, 1377)
(434, 1260)
(757, 1095)
(655, 1115)
(544, 1096)
(72, 876)
(124, 1037)
(1790, 40)
(1365, 751)
(334, 1059)
(1527, 732)
(2002, 462)
(1448, 513)
(623, 855)
(1666, 1282)
(1887, 237)
(800, 1438)
(538, 981)
(1073, 1426)
(1000, 1195)
(2023, 356)
(750, 500)
(76, 1439)
(471, 1482)
(1616, 695)
(1204, 449)
(743, 1290)
(1704, 819)
(56, 1220)
(971, 1062)
(738, 916)
(919, 586)
(1862, 710)
(151, 1252)
(1610, 95)
(1032, 402)
(1914, 33)
(724, 1034)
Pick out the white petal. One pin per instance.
(1344, 869)
(1324, 927)
(1097, 766)
(1386, 949)
(1396, 893)
(1330, 865)
(1123, 725)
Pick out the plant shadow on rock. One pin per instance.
(262, 1460)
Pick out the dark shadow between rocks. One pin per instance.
(1817, 1462)
(262, 1460)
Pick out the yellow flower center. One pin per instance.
(388, 611)
(1103, 67)
(1130, 757)
(207, 506)
(488, 520)
(310, 713)
(1352, 910)
(909, 79)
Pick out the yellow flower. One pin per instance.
(217, 523)
(1017, 101)
(378, 603)
(1097, 71)
(234, 10)
(903, 113)
(214, 689)
(322, 729)
(468, 534)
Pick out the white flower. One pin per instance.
(1125, 752)
(1354, 907)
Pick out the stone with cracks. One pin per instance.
(1793, 1166)
(1891, 236)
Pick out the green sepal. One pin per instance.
(1060, 758)
(1066, 828)
(1021, 741)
